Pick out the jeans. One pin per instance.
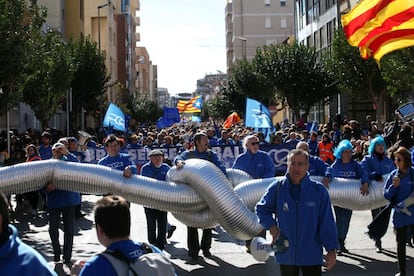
(343, 218)
(156, 235)
(192, 241)
(68, 216)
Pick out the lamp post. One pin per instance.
(99, 24)
(243, 40)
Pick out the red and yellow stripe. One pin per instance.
(378, 27)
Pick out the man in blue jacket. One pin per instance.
(63, 203)
(201, 151)
(299, 210)
(317, 166)
(257, 164)
(113, 228)
(16, 257)
(157, 169)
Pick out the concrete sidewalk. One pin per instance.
(229, 255)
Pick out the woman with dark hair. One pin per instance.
(398, 187)
(345, 167)
(377, 164)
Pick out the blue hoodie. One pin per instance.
(17, 258)
(307, 223)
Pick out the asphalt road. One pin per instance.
(229, 255)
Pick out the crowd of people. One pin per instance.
(341, 148)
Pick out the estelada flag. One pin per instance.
(192, 105)
(233, 118)
(379, 27)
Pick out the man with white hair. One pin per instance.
(256, 163)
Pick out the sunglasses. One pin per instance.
(254, 143)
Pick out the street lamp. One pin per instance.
(243, 40)
(99, 24)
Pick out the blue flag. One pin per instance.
(170, 117)
(114, 118)
(257, 115)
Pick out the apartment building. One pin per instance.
(316, 22)
(113, 25)
(254, 23)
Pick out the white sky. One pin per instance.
(185, 39)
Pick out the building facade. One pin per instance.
(254, 23)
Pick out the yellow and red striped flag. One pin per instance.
(233, 118)
(379, 27)
(190, 106)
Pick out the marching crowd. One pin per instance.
(341, 148)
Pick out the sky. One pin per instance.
(185, 39)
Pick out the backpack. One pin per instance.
(150, 263)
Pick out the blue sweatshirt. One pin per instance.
(258, 165)
(307, 221)
(351, 170)
(404, 191)
(119, 162)
(150, 170)
(61, 198)
(17, 258)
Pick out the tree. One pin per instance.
(47, 75)
(89, 74)
(298, 75)
(17, 22)
(397, 69)
(356, 75)
(144, 110)
(248, 80)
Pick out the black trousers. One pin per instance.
(401, 246)
(156, 227)
(192, 240)
(293, 270)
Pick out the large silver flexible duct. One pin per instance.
(206, 200)
(236, 176)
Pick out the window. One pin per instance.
(268, 22)
(267, 3)
(283, 3)
(283, 23)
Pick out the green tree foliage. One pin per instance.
(47, 75)
(356, 75)
(18, 21)
(249, 81)
(298, 75)
(144, 110)
(397, 69)
(89, 74)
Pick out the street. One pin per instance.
(229, 255)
